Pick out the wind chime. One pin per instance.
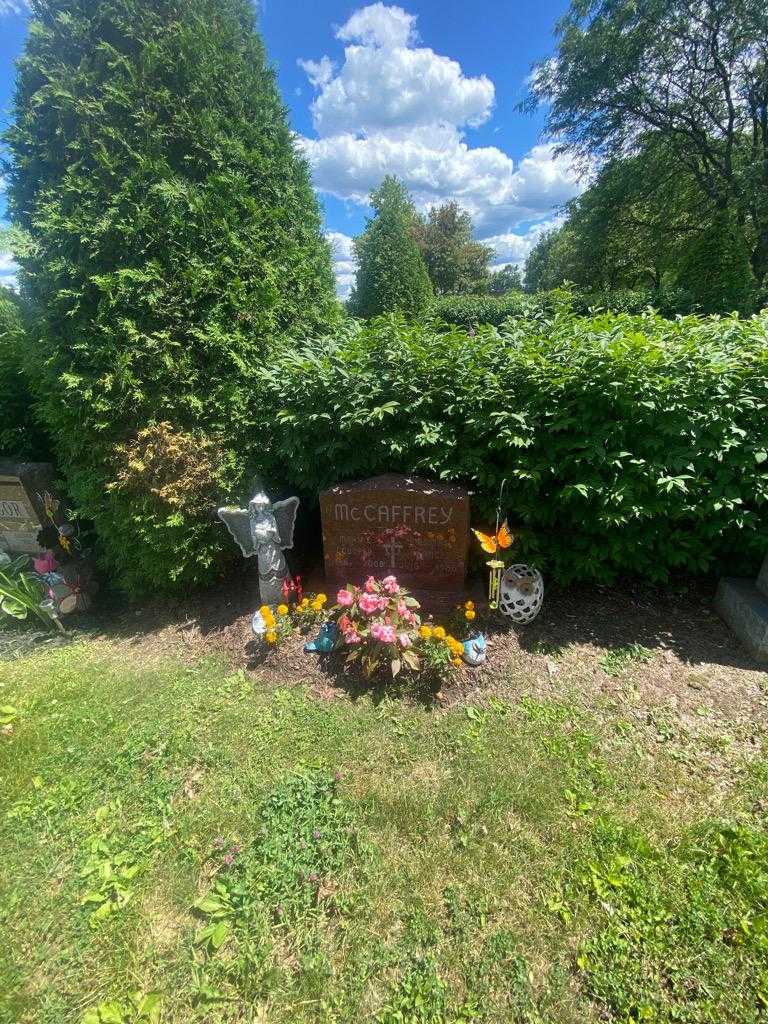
(493, 544)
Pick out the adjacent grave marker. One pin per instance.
(21, 509)
(744, 606)
(404, 526)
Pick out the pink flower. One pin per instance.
(390, 584)
(402, 609)
(369, 603)
(45, 564)
(345, 597)
(370, 585)
(352, 637)
(383, 603)
(387, 634)
(405, 640)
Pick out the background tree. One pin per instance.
(172, 233)
(630, 228)
(456, 263)
(552, 260)
(715, 269)
(391, 274)
(507, 279)
(695, 71)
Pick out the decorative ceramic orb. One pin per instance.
(521, 593)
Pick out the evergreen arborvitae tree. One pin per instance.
(21, 438)
(392, 274)
(715, 268)
(172, 234)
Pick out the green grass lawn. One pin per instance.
(181, 844)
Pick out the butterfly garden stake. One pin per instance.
(493, 544)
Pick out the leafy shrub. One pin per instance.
(632, 444)
(171, 233)
(472, 310)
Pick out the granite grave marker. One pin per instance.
(22, 515)
(404, 526)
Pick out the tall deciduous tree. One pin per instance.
(392, 274)
(715, 268)
(507, 279)
(695, 71)
(455, 262)
(172, 232)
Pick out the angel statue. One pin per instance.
(265, 530)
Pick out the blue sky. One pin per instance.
(425, 90)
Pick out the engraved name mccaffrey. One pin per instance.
(426, 515)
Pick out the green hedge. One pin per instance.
(632, 444)
(473, 310)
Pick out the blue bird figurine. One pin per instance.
(325, 641)
(475, 650)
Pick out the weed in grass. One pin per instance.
(617, 660)
(277, 889)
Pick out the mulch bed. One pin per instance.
(696, 660)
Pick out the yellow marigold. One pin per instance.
(265, 611)
(299, 609)
(439, 633)
(304, 602)
(321, 599)
(282, 609)
(425, 632)
(456, 662)
(270, 636)
(469, 605)
(469, 614)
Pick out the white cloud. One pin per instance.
(395, 107)
(380, 25)
(8, 271)
(378, 89)
(319, 72)
(344, 263)
(514, 247)
(12, 7)
(437, 165)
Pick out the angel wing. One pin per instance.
(285, 517)
(238, 522)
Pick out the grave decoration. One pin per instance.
(494, 544)
(521, 593)
(404, 526)
(516, 591)
(22, 592)
(265, 530)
